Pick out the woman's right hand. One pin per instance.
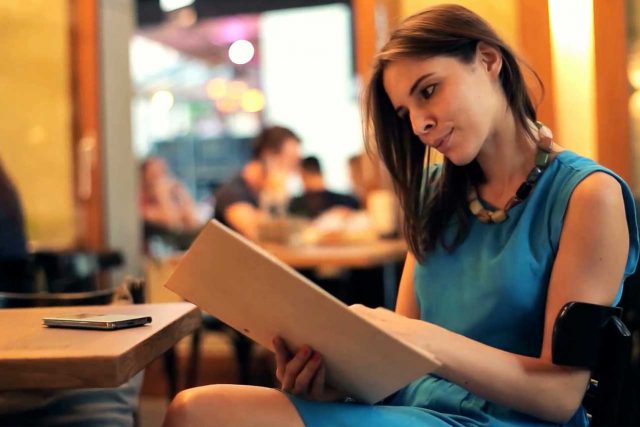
(303, 374)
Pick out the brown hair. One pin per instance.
(271, 140)
(453, 31)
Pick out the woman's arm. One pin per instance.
(406, 303)
(589, 267)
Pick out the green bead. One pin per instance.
(542, 159)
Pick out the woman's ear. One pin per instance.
(489, 57)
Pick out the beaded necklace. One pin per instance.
(542, 161)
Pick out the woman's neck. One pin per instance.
(506, 158)
(507, 155)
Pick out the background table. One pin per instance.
(383, 252)
(362, 255)
(33, 356)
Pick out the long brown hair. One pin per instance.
(453, 31)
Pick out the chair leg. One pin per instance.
(194, 359)
(171, 371)
(242, 346)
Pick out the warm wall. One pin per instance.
(571, 23)
(502, 14)
(35, 114)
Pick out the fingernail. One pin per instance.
(316, 357)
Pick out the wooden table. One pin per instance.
(33, 356)
(384, 252)
(362, 255)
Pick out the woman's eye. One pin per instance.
(427, 91)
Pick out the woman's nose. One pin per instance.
(422, 126)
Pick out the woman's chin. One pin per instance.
(459, 159)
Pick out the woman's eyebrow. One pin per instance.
(418, 81)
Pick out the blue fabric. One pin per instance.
(492, 289)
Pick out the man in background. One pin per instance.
(261, 183)
(316, 199)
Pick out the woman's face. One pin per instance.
(452, 106)
(155, 170)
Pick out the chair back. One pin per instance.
(602, 399)
(594, 337)
(16, 275)
(73, 270)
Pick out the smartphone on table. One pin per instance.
(107, 322)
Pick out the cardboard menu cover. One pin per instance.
(247, 288)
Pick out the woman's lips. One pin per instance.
(438, 143)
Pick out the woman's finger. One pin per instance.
(283, 355)
(294, 367)
(316, 389)
(302, 383)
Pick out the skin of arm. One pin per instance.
(161, 211)
(186, 205)
(589, 267)
(243, 217)
(406, 304)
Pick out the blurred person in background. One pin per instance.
(164, 199)
(316, 199)
(14, 257)
(260, 187)
(168, 210)
(356, 176)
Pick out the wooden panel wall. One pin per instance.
(612, 88)
(535, 49)
(85, 72)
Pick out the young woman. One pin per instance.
(507, 231)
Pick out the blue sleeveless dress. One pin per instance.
(492, 289)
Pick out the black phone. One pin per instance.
(97, 321)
